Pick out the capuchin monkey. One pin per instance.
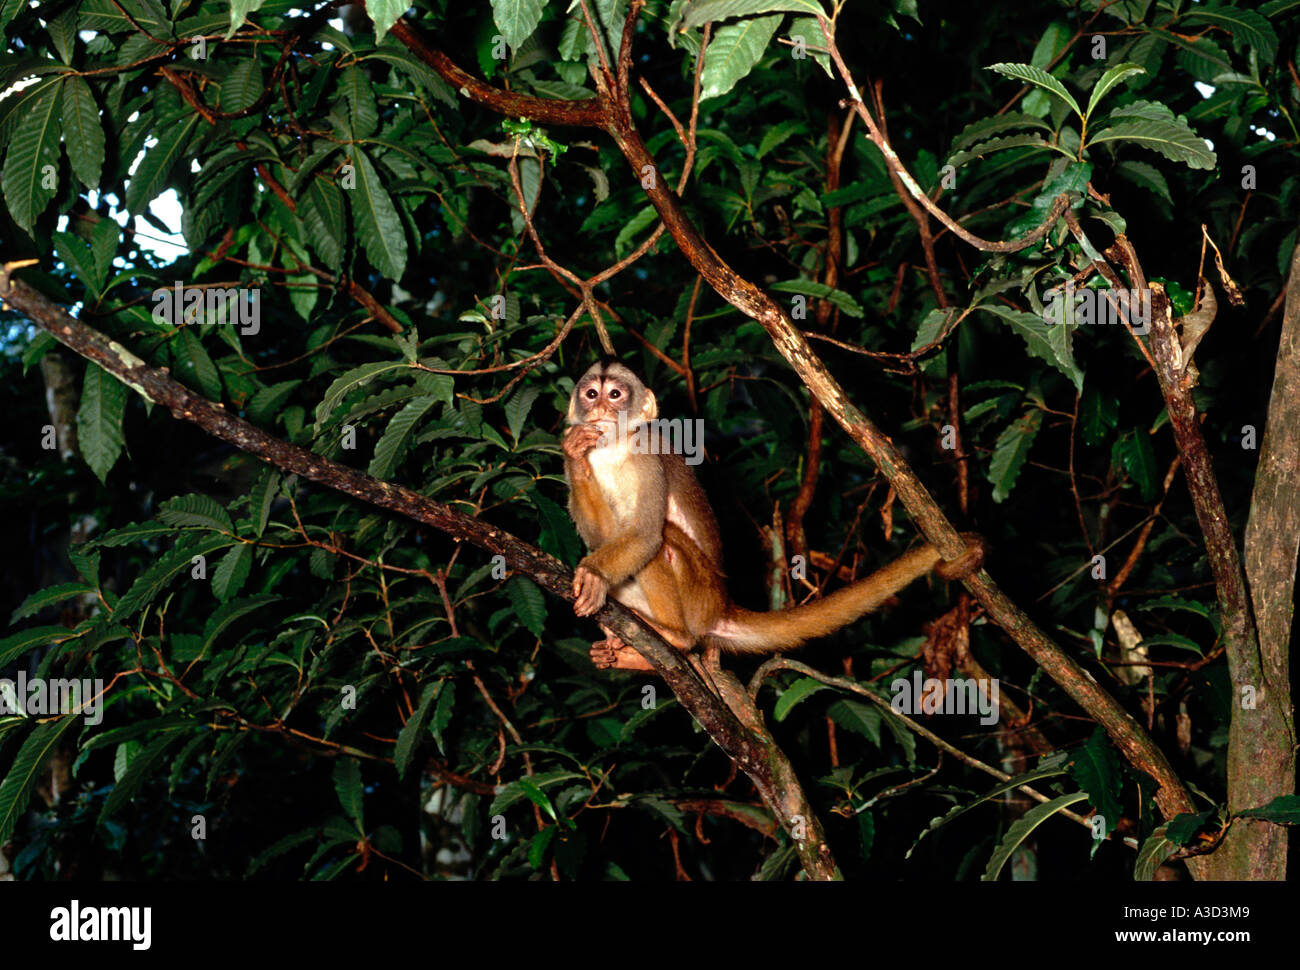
(654, 542)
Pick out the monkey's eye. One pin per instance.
(615, 394)
(591, 394)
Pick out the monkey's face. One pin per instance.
(607, 390)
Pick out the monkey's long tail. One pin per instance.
(744, 631)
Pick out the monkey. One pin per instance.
(654, 546)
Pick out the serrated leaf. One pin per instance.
(863, 719)
(1172, 139)
(986, 128)
(996, 145)
(355, 87)
(31, 165)
(814, 39)
(16, 644)
(413, 728)
(733, 53)
(700, 12)
(16, 788)
(792, 695)
(1155, 850)
(1108, 80)
(357, 377)
(1244, 27)
(231, 572)
(1146, 177)
(48, 596)
(778, 134)
(1139, 460)
(135, 774)
(268, 401)
(515, 791)
(322, 214)
(1282, 810)
(1048, 769)
(378, 225)
(1024, 827)
(392, 446)
(1047, 341)
(1010, 452)
(99, 420)
(631, 229)
(195, 511)
(517, 19)
(227, 613)
(83, 134)
(1096, 769)
(348, 787)
(846, 303)
(517, 409)
(165, 569)
(1040, 78)
(239, 11)
(528, 602)
(195, 366)
(150, 176)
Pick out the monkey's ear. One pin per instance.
(574, 417)
(650, 409)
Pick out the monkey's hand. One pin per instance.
(580, 439)
(589, 589)
(968, 562)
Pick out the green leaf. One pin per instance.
(48, 596)
(18, 783)
(632, 228)
(442, 714)
(1146, 177)
(195, 511)
(269, 401)
(861, 718)
(99, 419)
(733, 52)
(517, 408)
(242, 86)
(528, 602)
(517, 19)
(701, 12)
(32, 165)
(378, 225)
(1284, 810)
(83, 135)
(231, 572)
(322, 214)
(1155, 850)
(1172, 139)
(1139, 460)
(792, 695)
(996, 145)
(1096, 769)
(1049, 767)
(355, 87)
(412, 729)
(1244, 27)
(151, 173)
(1022, 828)
(347, 785)
(778, 134)
(77, 256)
(1098, 414)
(985, 128)
(814, 39)
(1047, 341)
(1108, 80)
(16, 644)
(136, 773)
(239, 11)
(846, 303)
(356, 377)
(165, 569)
(1010, 452)
(1040, 78)
(515, 790)
(195, 367)
(392, 446)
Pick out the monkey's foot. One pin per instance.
(617, 655)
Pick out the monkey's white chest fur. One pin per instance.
(609, 467)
